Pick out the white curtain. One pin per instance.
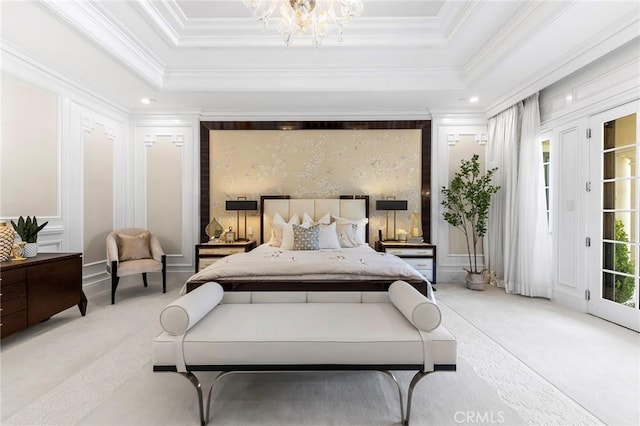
(518, 247)
(502, 152)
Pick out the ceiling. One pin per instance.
(402, 58)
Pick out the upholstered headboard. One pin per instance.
(347, 206)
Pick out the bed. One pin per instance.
(342, 261)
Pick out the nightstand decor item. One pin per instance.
(391, 204)
(214, 230)
(241, 205)
(6, 241)
(229, 236)
(415, 232)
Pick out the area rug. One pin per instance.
(118, 387)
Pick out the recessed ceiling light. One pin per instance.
(473, 99)
(147, 101)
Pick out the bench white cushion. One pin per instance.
(420, 311)
(184, 313)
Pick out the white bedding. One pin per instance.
(273, 263)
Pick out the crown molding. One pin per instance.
(336, 78)
(24, 66)
(529, 21)
(89, 20)
(625, 30)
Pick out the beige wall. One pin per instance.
(315, 164)
(463, 149)
(98, 194)
(164, 193)
(29, 150)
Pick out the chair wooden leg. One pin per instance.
(164, 273)
(114, 281)
(144, 279)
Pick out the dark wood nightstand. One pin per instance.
(421, 256)
(209, 253)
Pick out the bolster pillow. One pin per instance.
(420, 311)
(184, 313)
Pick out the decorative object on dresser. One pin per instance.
(422, 256)
(134, 251)
(241, 205)
(391, 204)
(466, 204)
(209, 253)
(6, 242)
(37, 288)
(214, 230)
(28, 231)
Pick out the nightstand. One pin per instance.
(209, 253)
(421, 256)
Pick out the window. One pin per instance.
(546, 156)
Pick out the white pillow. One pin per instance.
(277, 228)
(346, 233)
(415, 306)
(362, 227)
(328, 236)
(325, 219)
(288, 235)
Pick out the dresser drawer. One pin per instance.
(13, 276)
(13, 305)
(417, 252)
(425, 264)
(14, 290)
(220, 251)
(12, 322)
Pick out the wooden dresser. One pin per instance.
(33, 290)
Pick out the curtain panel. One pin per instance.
(518, 244)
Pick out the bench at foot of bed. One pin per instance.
(303, 331)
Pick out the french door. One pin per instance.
(614, 203)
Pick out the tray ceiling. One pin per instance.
(402, 57)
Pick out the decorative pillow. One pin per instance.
(325, 219)
(422, 312)
(347, 234)
(131, 247)
(277, 229)
(328, 236)
(362, 227)
(306, 238)
(287, 236)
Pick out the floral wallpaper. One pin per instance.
(315, 164)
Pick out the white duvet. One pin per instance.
(273, 263)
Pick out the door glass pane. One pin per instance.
(620, 206)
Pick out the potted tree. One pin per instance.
(28, 231)
(466, 204)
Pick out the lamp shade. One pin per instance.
(391, 205)
(242, 205)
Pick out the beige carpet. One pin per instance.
(96, 371)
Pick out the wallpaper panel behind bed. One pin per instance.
(315, 164)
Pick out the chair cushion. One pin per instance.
(138, 266)
(131, 247)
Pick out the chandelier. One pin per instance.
(301, 16)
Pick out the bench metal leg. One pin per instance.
(196, 383)
(419, 375)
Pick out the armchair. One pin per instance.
(134, 251)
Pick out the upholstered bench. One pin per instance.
(210, 330)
